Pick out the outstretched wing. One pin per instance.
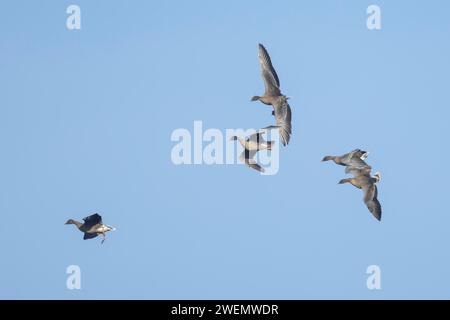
(283, 116)
(255, 166)
(257, 136)
(371, 201)
(270, 77)
(89, 236)
(247, 158)
(92, 220)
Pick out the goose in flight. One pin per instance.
(354, 159)
(252, 145)
(363, 180)
(92, 226)
(272, 96)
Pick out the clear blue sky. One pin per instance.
(85, 124)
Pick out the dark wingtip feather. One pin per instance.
(376, 209)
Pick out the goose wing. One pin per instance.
(270, 77)
(371, 200)
(247, 158)
(356, 163)
(89, 236)
(257, 136)
(254, 165)
(345, 158)
(91, 221)
(283, 116)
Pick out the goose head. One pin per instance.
(70, 221)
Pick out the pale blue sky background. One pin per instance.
(85, 124)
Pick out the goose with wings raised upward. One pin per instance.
(272, 96)
(92, 226)
(362, 179)
(252, 145)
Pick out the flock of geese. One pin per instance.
(354, 161)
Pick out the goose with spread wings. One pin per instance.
(362, 179)
(354, 159)
(92, 226)
(273, 96)
(252, 145)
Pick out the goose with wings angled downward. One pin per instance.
(273, 96)
(356, 165)
(362, 179)
(92, 226)
(252, 145)
(354, 158)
